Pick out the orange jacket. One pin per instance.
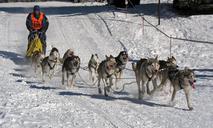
(37, 23)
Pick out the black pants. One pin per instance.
(42, 37)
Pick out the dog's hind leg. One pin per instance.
(99, 83)
(173, 97)
(187, 93)
(63, 74)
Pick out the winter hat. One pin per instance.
(36, 8)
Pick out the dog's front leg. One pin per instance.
(52, 72)
(173, 96)
(147, 88)
(105, 87)
(187, 93)
(68, 78)
(144, 90)
(43, 75)
(139, 89)
(72, 81)
(154, 83)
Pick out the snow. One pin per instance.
(92, 28)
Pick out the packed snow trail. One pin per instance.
(92, 28)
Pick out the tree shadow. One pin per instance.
(15, 57)
(203, 76)
(149, 9)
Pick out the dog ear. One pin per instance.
(173, 57)
(156, 58)
(111, 56)
(148, 60)
(106, 57)
(96, 55)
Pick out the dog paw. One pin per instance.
(172, 104)
(191, 108)
(106, 95)
(99, 91)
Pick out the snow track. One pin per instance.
(26, 102)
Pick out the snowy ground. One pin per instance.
(93, 28)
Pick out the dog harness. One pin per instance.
(108, 75)
(51, 67)
(37, 23)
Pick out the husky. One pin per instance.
(171, 61)
(106, 70)
(37, 58)
(68, 53)
(49, 63)
(145, 71)
(121, 61)
(164, 75)
(183, 79)
(93, 66)
(70, 66)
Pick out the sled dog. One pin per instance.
(68, 53)
(106, 70)
(70, 66)
(49, 63)
(183, 79)
(171, 61)
(93, 66)
(121, 61)
(145, 71)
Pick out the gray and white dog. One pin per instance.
(49, 63)
(93, 66)
(68, 53)
(106, 70)
(70, 66)
(121, 61)
(183, 79)
(145, 71)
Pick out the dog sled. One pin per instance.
(34, 46)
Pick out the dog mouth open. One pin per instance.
(192, 83)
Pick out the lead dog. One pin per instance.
(145, 71)
(49, 63)
(121, 61)
(106, 70)
(93, 66)
(70, 66)
(183, 79)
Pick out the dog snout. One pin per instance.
(76, 63)
(195, 80)
(156, 70)
(177, 66)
